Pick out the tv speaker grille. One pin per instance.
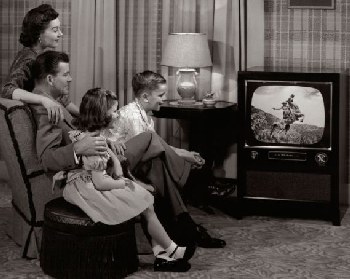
(286, 185)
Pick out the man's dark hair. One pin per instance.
(47, 62)
(35, 22)
(146, 82)
(93, 110)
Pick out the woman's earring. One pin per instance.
(39, 40)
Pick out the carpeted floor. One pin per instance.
(257, 247)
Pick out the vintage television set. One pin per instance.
(292, 144)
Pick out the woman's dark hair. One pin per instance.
(146, 81)
(47, 62)
(93, 111)
(35, 22)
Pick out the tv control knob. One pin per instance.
(321, 158)
(254, 155)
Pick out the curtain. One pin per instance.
(93, 46)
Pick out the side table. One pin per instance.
(207, 124)
(221, 110)
(211, 130)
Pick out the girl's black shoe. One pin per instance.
(163, 265)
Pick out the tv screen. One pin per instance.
(289, 113)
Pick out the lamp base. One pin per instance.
(186, 86)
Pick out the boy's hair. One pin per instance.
(146, 82)
(47, 62)
(35, 22)
(93, 109)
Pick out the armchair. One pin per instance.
(30, 186)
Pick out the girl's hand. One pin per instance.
(117, 168)
(129, 183)
(54, 110)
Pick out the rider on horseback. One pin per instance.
(295, 111)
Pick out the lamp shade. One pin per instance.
(186, 50)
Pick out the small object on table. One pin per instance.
(209, 100)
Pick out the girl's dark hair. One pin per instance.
(146, 81)
(35, 22)
(93, 109)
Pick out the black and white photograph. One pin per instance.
(174, 139)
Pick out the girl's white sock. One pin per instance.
(157, 249)
(175, 251)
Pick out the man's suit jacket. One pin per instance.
(54, 148)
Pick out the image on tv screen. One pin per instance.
(288, 115)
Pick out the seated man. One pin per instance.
(134, 120)
(55, 150)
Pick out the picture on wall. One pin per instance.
(311, 4)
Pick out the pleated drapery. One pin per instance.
(93, 50)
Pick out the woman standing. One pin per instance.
(41, 30)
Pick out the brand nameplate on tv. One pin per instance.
(293, 156)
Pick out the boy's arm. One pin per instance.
(190, 156)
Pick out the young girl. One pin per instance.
(112, 198)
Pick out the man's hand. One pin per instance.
(54, 110)
(92, 144)
(117, 147)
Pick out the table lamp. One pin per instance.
(186, 51)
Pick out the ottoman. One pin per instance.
(73, 246)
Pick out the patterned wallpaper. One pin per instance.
(307, 37)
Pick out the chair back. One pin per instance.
(30, 186)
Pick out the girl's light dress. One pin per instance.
(109, 207)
